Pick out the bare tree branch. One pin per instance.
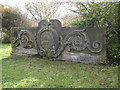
(42, 10)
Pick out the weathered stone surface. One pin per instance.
(51, 40)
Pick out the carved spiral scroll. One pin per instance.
(15, 41)
(78, 40)
(26, 39)
(95, 47)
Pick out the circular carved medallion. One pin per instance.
(47, 40)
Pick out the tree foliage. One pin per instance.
(97, 14)
(12, 17)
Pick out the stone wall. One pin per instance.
(51, 40)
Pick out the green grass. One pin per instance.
(5, 50)
(30, 72)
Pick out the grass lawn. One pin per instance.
(30, 72)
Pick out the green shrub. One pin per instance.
(5, 38)
(113, 46)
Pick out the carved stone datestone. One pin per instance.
(51, 40)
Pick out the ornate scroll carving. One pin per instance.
(95, 47)
(24, 39)
(48, 41)
(15, 41)
(79, 40)
(27, 39)
(52, 41)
